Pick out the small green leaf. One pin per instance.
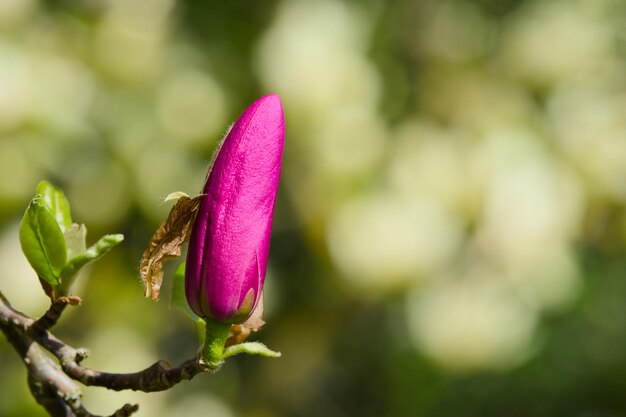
(75, 240)
(179, 300)
(42, 241)
(55, 201)
(251, 348)
(105, 244)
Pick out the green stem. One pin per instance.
(215, 338)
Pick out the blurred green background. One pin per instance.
(450, 232)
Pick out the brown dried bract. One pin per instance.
(255, 321)
(240, 332)
(167, 241)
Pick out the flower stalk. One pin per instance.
(212, 353)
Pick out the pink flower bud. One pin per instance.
(229, 244)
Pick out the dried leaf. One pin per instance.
(166, 243)
(238, 334)
(176, 195)
(255, 321)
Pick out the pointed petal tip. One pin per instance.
(270, 103)
(272, 97)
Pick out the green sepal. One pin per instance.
(251, 348)
(179, 301)
(214, 351)
(55, 201)
(201, 329)
(95, 251)
(42, 241)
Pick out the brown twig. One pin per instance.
(50, 386)
(52, 316)
(159, 376)
(52, 383)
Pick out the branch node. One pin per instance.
(72, 300)
(82, 354)
(126, 410)
(164, 365)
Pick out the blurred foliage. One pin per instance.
(450, 230)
